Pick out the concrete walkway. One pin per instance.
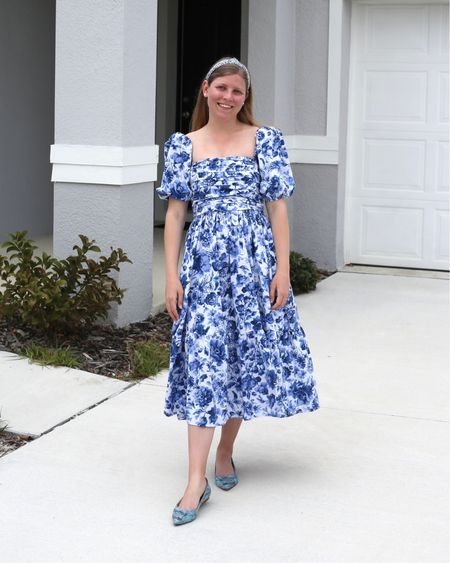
(363, 479)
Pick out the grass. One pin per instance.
(45, 356)
(148, 358)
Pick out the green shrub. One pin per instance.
(57, 295)
(303, 273)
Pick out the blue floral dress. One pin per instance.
(232, 355)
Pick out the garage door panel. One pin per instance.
(394, 95)
(395, 233)
(398, 180)
(392, 231)
(443, 167)
(441, 249)
(394, 165)
(443, 97)
(401, 29)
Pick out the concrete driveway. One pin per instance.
(363, 479)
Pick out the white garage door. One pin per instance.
(397, 207)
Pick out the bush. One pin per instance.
(57, 295)
(303, 273)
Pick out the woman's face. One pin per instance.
(225, 95)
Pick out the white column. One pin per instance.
(104, 157)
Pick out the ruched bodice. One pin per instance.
(229, 183)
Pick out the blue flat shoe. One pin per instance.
(226, 482)
(185, 515)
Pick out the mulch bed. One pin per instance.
(10, 442)
(103, 349)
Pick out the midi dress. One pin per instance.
(231, 355)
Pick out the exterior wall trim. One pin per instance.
(113, 165)
(399, 1)
(323, 149)
(314, 149)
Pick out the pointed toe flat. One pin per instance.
(185, 515)
(226, 482)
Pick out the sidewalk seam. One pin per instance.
(35, 436)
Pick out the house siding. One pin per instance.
(27, 49)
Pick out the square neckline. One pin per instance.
(252, 158)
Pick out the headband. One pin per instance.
(231, 61)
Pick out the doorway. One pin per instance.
(192, 35)
(206, 32)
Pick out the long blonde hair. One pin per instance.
(200, 115)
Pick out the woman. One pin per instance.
(238, 350)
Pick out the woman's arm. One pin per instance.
(278, 217)
(173, 233)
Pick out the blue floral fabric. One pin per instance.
(232, 355)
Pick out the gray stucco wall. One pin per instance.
(288, 57)
(27, 47)
(318, 205)
(312, 209)
(311, 64)
(312, 213)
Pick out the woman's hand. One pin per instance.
(174, 297)
(278, 217)
(279, 286)
(173, 234)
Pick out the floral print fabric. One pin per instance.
(231, 354)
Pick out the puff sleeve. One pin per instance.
(175, 180)
(277, 180)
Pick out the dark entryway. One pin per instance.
(192, 35)
(207, 31)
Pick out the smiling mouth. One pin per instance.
(224, 106)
